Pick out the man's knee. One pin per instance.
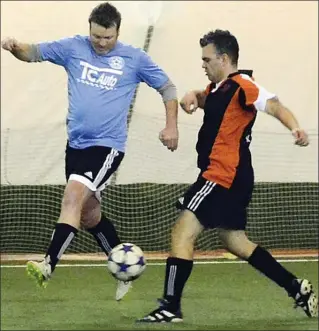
(91, 213)
(184, 230)
(237, 242)
(184, 234)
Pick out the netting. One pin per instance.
(141, 198)
(283, 214)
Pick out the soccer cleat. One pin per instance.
(305, 297)
(40, 272)
(122, 289)
(162, 315)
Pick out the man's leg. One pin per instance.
(102, 163)
(75, 196)
(237, 243)
(104, 233)
(99, 225)
(179, 265)
(178, 268)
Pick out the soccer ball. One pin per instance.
(126, 262)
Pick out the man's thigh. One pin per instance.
(92, 166)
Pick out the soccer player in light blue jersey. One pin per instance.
(103, 74)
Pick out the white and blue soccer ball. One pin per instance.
(126, 262)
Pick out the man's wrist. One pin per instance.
(295, 129)
(171, 125)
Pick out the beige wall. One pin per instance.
(279, 40)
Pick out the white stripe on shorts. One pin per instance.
(106, 166)
(200, 195)
(84, 181)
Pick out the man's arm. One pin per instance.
(151, 74)
(171, 107)
(169, 136)
(197, 98)
(201, 96)
(275, 108)
(193, 100)
(57, 52)
(22, 51)
(169, 96)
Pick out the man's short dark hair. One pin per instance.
(224, 42)
(106, 15)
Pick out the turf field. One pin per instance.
(229, 296)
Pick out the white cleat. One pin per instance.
(122, 289)
(39, 271)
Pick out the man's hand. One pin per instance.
(169, 138)
(189, 102)
(9, 44)
(301, 137)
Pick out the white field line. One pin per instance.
(101, 256)
(89, 265)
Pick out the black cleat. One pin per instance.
(305, 297)
(162, 315)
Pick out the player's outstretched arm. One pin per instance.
(275, 108)
(23, 52)
(193, 100)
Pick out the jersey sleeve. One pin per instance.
(57, 52)
(252, 94)
(150, 73)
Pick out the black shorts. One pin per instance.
(92, 166)
(216, 206)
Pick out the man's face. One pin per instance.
(212, 63)
(102, 39)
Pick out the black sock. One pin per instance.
(105, 234)
(263, 261)
(177, 273)
(61, 239)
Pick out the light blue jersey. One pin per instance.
(100, 88)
